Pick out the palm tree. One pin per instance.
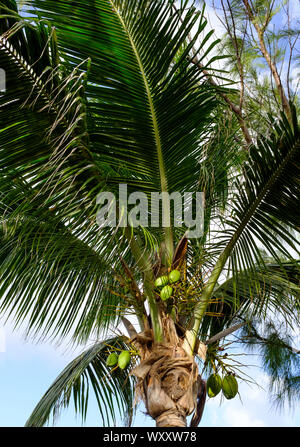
(103, 93)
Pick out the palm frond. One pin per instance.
(145, 120)
(264, 208)
(113, 389)
(262, 213)
(276, 292)
(51, 248)
(55, 279)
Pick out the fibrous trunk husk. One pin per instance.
(168, 379)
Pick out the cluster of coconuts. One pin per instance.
(164, 282)
(122, 360)
(228, 385)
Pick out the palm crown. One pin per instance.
(101, 94)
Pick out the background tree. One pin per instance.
(106, 93)
(261, 39)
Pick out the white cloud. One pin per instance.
(295, 75)
(235, 417)
(15, 345)
(2, 340)
(295, 9)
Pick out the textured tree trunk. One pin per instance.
(171, 419)
(168, 379)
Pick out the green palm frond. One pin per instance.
(44, 109)
(31, 42)
(276, 292)
(56, 282)
(145, 120)
(59, 279)
(51, 249)
(93, 113)
(113, 389)
(263, 212)
(39, 117)
(264, 209)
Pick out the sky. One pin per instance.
(28, 369)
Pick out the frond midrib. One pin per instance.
(266, 189)
(158, 143)
(217, 270)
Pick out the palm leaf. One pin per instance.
(145, 120)
(264, 212)
(50, 249)
(130, 121)
(277, 293)
(113, 389)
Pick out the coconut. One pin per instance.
(124, 359)
(214, 385)
(161, 281)
(174, 276)
(229, 387)
(166, 293)
(112, 359)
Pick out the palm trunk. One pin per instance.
(171, 419)
(168, 379)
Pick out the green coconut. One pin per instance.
(161, 281)
(166, 293)
(174, 276)
(124, 359)
(112, 359)
(214, 385)
(230, 387)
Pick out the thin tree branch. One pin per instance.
(262, 46)
(291, 46)
(255, 334)
(233, 35)
(236, 110)
(224, 333)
